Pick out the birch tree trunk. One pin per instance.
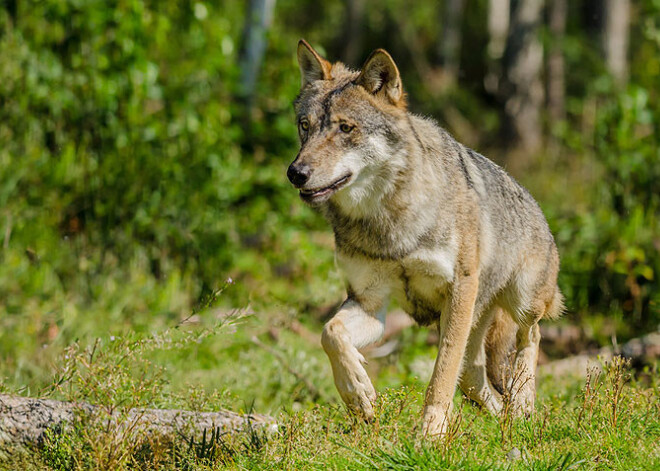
(556, 82)
(615, 34)
(498, 28)
(522, 89)
(258, 20)
(450, 44)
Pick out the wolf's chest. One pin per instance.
(418, 282)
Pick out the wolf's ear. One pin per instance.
(312, 65)
(380, 76)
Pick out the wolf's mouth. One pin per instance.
(311, 195)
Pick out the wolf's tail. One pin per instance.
(556, 307)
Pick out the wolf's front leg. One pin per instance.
(454, 331)
(352, 328)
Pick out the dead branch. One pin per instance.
(306, 334)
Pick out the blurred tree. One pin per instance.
(353, 32)
(498, 27)
(522, 88)
(614, 38)
(555, 77)
(258, 20)
(450, 42)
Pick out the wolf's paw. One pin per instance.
(493, 404)
(523, 403)
(435, 422)
(522, 397)
(358, 393)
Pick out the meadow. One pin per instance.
(608, 420)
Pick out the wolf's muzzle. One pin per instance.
(298, 174)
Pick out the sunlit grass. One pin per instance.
(608, 422)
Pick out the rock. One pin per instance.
(514, 454)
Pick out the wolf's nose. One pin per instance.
(298, 175)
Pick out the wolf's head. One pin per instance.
(350, 125)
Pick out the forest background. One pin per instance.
(143, 156)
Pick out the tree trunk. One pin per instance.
(353, 33)
(498, 28)
(24, 420)
(450, 44)
(522, 90)
(556, 87)
(258, 20)
(615, 32)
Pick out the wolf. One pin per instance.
(424, 220)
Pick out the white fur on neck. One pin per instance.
(374, 179)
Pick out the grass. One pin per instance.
(608, 421)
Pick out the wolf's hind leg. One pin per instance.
(352, 328)
(474, 380)
(500, 349)
(522, 384)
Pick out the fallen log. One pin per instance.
(640, 350)
(25, 420)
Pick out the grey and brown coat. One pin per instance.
(420, 218)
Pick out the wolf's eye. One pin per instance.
(343, 127)
(304, 125)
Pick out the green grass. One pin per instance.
(213, 364)
(120, 338)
